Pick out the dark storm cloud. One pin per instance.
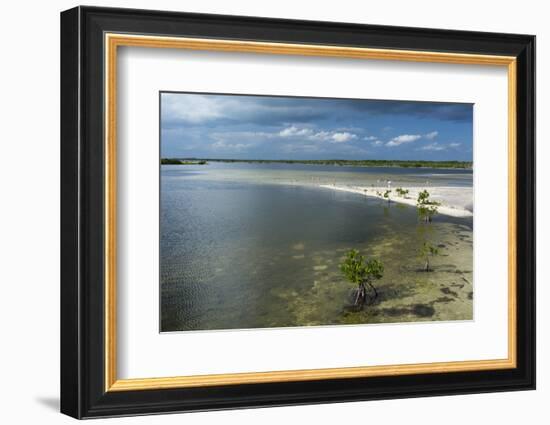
(459, 112)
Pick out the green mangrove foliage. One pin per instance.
(362, 273)
(426, 207)
(402, 192)
(427, 251)
(387, 194)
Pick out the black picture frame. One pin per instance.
(83, 392)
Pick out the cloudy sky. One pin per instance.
(265, 127)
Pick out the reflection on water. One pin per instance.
(241, 250)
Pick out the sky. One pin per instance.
(269, 127)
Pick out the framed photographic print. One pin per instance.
(261, 212)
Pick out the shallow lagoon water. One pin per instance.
(259, 245)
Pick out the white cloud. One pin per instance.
(229, 146)
(408, 138)
(294, 131)
(404, 138)
(377, 143)
(320, 136)
(343, 137)
(433, 147)
(439, 147)
(294, 138)
(370, 138)
(192, 109)
(325, 136)
(197, 109)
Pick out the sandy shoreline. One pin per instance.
(455, 201)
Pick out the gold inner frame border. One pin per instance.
(112, 41)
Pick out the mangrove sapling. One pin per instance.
(426, 251)
(426, 207)
(387, 195)
(402, 192)
(362, 273)
(423, 197)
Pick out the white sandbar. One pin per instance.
(455, 201)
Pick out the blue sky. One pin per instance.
(267, 127)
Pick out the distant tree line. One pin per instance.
(339, 162)
(176, 161)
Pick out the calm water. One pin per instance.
(274, 173)
(258, 245)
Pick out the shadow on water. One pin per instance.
(385, 293)
(448, 291)
(418, 310)
(444, 300)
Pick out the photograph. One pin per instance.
(285, 211)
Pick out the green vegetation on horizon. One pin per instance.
(175, 161)
(339, 162)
